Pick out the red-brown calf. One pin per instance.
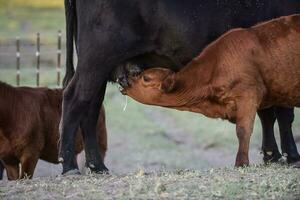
(29, 124)
(241, 72)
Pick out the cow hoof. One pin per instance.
(296, 164)
(101, 170)
(72, 172)
(270, 157)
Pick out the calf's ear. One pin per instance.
(168, 84)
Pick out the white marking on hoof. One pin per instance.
(92, 166)
(269, 153)
(60, 159)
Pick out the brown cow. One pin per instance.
(29, 123)
(242, 71)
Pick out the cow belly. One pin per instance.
(285, 93)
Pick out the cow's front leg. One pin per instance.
(269, 145)
(246, 111)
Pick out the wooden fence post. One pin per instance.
(58, 68)
(37, 54)
(18, 61)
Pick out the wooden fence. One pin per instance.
(38, 54)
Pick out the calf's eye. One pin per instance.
(146, 78)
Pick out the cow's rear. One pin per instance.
(279, 59)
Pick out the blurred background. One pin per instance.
(139, 136)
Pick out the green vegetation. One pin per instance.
(25, 18)
(11, 4)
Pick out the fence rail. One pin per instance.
(38, 54)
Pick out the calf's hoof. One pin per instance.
(241, 161)
(241, 165)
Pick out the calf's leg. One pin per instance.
(285, 118)
(245, 116)
(11, 165)
(12, 171)
(269, 145)
(28, 164)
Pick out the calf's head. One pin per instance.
(150, 86)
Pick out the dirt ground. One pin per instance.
(255, 182)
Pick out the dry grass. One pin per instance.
(256, 182)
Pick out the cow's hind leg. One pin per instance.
(285, 118)
(88, 125)
(269, 145)
(81, 104)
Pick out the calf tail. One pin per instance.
(71, 33)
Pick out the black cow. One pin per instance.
(109, 33)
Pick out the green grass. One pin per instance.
(11, 4)
(28, 76)
(256, 182)
(25, 22)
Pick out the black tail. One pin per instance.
(71, 32)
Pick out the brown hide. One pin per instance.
(29, 124)
(242, 71)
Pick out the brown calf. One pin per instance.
(29, 123)
(241, 72)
